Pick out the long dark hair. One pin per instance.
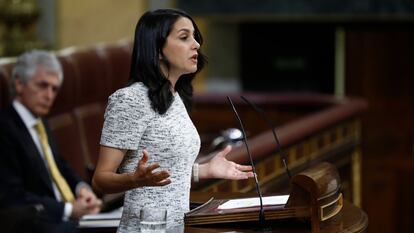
(151, 35)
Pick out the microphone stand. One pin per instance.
(271, 125)
(262, 218)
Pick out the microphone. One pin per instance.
(271, 125)
(262, 219)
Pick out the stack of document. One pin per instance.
(109, 219)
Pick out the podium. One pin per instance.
(315, 196)
(315, 205)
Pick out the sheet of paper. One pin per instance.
(99, 223)
(115, 214)
(251, 202)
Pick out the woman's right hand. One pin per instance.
(145, 175)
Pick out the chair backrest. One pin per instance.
(70, 145)
(118, 59)
(6, 66)
(66, 98)
(89, 119)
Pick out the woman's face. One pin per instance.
(180, 49)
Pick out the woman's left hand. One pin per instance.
(220, 167)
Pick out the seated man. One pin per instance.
(38, 191)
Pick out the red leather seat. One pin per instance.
(70, 144)
(118, 59)
(89, 119)
(93, 76)
(66, 98)
(6, 67)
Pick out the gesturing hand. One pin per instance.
(145, 175)
(220, 167)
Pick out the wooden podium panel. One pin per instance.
(314, 205)
(350, 219)
(315, 196)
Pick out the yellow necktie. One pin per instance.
(61, 183)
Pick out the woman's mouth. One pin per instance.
(194, 58)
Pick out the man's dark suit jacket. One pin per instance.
(24, 178)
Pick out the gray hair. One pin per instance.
(27, 64)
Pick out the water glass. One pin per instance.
(153, 220)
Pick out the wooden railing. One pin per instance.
(311, 129)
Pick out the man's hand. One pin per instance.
(86, 203)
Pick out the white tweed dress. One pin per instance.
(170, 139)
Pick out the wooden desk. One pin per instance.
(351, 219)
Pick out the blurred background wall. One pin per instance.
(88, 22)
(344, 48)
(64, 23)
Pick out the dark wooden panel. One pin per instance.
(379, 68)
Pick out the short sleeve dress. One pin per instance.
(170, 139)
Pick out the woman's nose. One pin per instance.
(196, 45)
